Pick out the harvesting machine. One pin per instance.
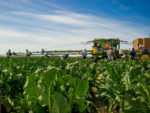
(100, 47)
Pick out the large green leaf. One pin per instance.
(60, 104)
(82, 88)
(30, 89)
(46, 83)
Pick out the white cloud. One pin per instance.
(57, 18)
(62, 28)
(19, 41)
(81, 21)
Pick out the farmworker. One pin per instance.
(145, 54)
(110, 54)
(133, 54)
(115, 44)
(8, 54)
(65, 56)
(99, 47)
(145, 51)
(27, 53)
(46, 55)
(84, 54)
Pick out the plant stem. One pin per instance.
(49, 96)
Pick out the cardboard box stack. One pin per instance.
(141, 41)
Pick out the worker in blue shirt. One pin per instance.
(65, 56)
(133, 54)
(46, 55)
(145, 51)
(145, 54)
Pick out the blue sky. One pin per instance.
(64, 24)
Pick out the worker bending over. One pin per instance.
(46, 55)
(65, 56)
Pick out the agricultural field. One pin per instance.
(42, 85)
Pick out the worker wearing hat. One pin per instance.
(110, 54)
(84, 54)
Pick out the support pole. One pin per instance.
(119, 45)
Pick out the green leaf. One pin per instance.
(30, 89)
(46, 80)
(60, 104)
(82, 88)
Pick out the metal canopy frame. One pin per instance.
(109, 40)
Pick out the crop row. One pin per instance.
(39, 85)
